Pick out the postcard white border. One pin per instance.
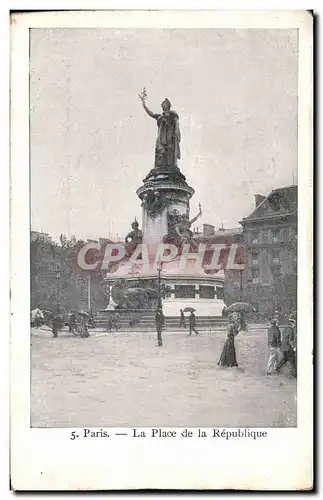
(43, 459)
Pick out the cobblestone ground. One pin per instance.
(125, 380)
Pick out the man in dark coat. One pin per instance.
(192, 323)
(182, 323)
(72, 322)
(56, 324)
(288, 346)
(159, 319)
(274, 345)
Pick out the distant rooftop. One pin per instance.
(280, 200)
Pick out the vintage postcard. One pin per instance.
(161, 249)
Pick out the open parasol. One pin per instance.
(83, 313)
(240, 307)
(188, 309)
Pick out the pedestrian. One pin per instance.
(192, 323)
(84, 332)
(116, 319)
(288, 346)
(91, 319)
(56, 325)
(182, 323)
(228, 356)
(159, 320)
(293, 343)
(109, 323)
(274, 344)
(71, 322)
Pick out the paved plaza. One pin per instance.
(123, 379)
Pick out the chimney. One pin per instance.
(208, 230)
(258, 199)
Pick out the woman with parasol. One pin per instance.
(241, 308)
(83, 328)
(228, 356)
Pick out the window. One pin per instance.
(254, 259)
(207, 292)
(184, 291)
(254, 238)
(254, 273)
(219, 292)
(276, 235)
(264, 235)
(254, 276)
(276, 256)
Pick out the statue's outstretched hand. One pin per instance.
(143, 95)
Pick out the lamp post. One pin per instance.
(58, 279)
(159, 313)
(89, 292)
(159, 269)
(241, 287)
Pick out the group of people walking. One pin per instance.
(282, 347)
(77, 324)
(113, 322)
(160, 323)
(191, 322)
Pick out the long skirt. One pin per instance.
(228, 356)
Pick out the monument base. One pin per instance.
(203, 307)
(187, 286)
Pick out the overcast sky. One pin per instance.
(92, 144)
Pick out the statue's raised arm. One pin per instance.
(143, 98)
(197, 216)
(167, 150)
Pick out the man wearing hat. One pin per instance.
(293, 343)
(288, 346)
(274, 345)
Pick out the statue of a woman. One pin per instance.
(180, 229)
(167, 150)
(183, 229)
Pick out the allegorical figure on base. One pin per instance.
(135, 235)
(180, 229)
(167, 151)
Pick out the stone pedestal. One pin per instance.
(166, 194)
(164, 191)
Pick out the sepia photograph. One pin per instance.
(141, 138)
(165, 184)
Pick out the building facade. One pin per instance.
(232, 289)
(270, 252)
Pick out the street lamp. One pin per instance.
(58, 278)
(89, 292)
(159, 312)
(159, 269)
(241, 288)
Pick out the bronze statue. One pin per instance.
(135, 236)
(180, 229)
(126, 296)
(167, 150)
(154, 203)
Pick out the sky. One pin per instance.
(91, 143)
